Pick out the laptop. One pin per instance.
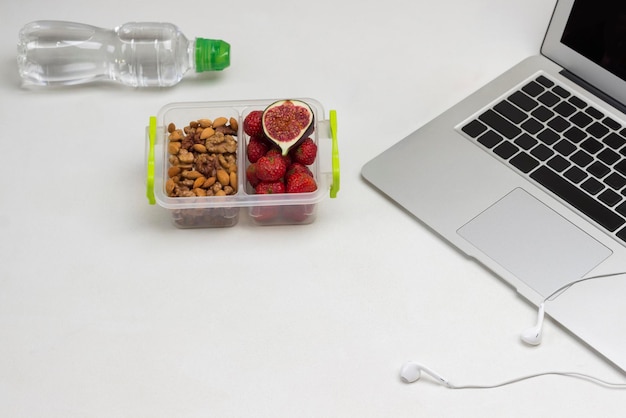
(528, 174)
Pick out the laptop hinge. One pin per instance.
(598, 93)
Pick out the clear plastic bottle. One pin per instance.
(142, 54)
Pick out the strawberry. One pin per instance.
(301, 183)
(305, 153)
(275, 151)
(251, 175)
(257, 147)
(271, 168)
(252, 124)
(297, 168)
(270, 187)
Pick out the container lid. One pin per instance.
(211, 55)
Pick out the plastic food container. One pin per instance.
(192, 211)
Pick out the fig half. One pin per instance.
(287, 122)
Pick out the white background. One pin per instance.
(107, 310)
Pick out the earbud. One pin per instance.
(532, 335)
(412, 371)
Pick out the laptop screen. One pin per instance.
(596, 29)
(588, 39)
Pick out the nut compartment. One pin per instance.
(224, 211)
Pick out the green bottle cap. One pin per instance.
(211, 55)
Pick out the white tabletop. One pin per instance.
(107, 310)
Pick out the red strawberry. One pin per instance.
(270, 187)
(257, 147)
(271, 168)
(301, 183)
(305, 153)
(251, 175)
(297, 168)
(252, 123)
(274, 151)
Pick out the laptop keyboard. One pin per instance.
(563, 143)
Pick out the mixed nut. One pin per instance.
(202, 158)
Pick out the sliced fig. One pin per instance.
(287, 122)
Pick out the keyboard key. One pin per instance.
(523, 101)
(616, 126)
(565, 109)
(548, 136)
(621, 209)
(532, 126)
(622, 234)
(578, 199)
(541, 152)
(549, 99)
(564, 147)
(524, 162)
(558, 163)
(598, 169)
(594, 113)
(500, 124)
(561, 92)
(621, 167)
(526, 141)
(581, 158)
(576, 101)
(490, 139)
(608, 156)
(559, 124)
(510, 112)
(542, 113)
(580, 119)
(506, 150)
(614, 140)
(616, 181)
(609, 197)
(592, 186)
(591, 145)
(474, 128)
(533, 89)
(545, 81)
(574, 134)
(575, 174)
(597, 129)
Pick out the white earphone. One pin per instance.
(532, 335)
(411, 371)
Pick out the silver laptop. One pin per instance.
(528, 174)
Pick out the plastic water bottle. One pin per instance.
(142, 54)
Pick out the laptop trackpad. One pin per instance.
(533, 242)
